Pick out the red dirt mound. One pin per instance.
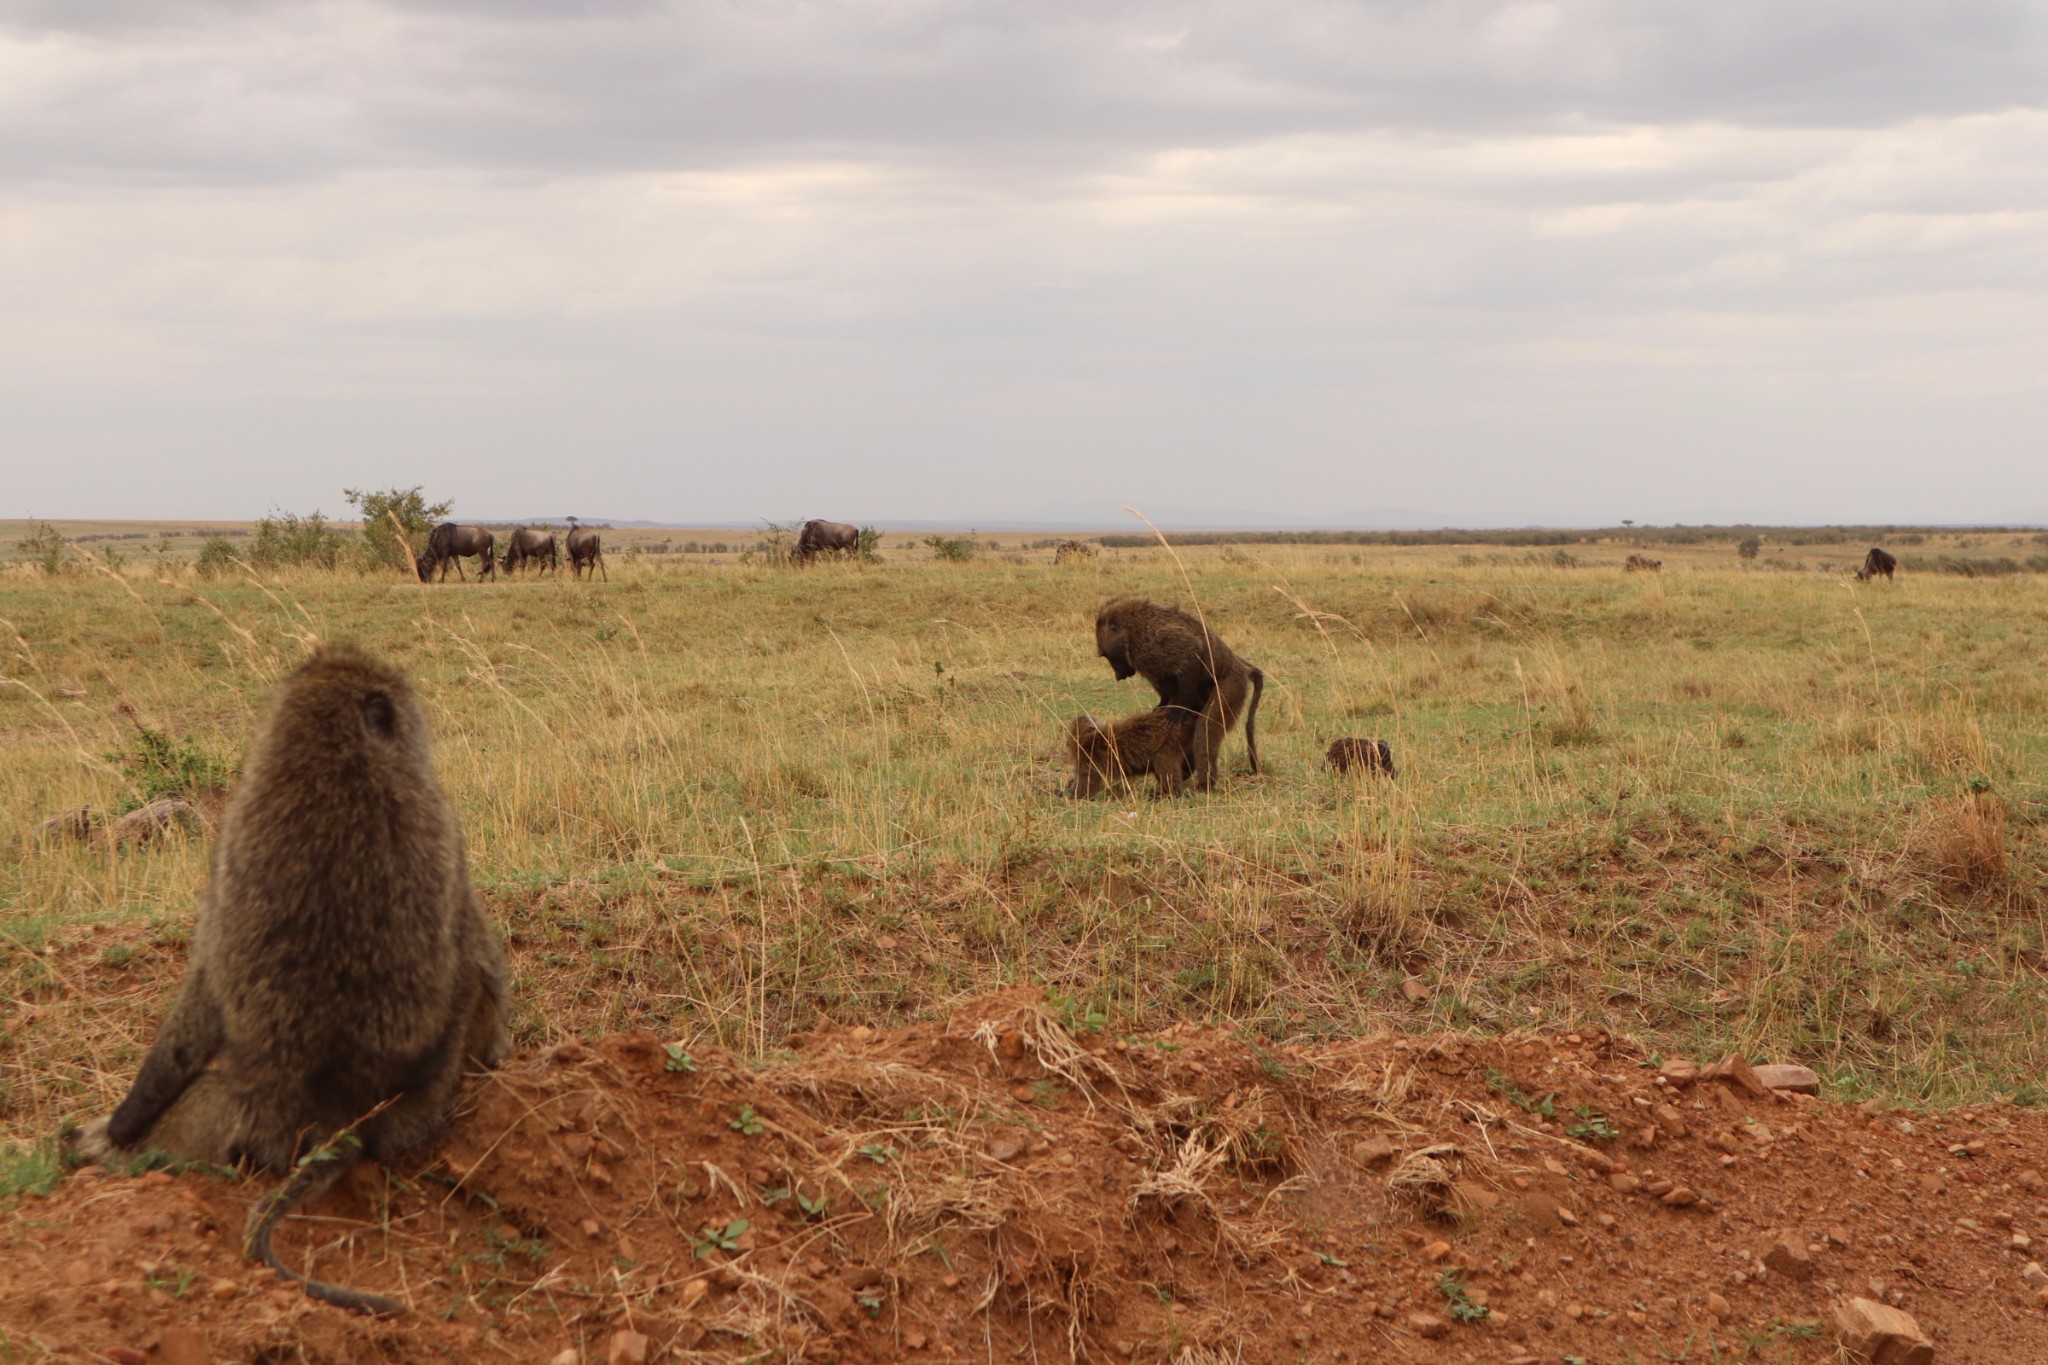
(1004, 1188)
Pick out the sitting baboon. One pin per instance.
(342, 973)
(1190, 668)
(1366, 755)
(1878, 564)
(1642, 564)
(1072, 549)
(1155, 742)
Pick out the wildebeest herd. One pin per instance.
(451, 542)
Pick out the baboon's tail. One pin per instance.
(1251, 716)
(316, 1174)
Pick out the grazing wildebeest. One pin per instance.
(1155, 742)
(449, 543)
(1642, 564)
(586, 552)
(1878, 564)
(1366, 755)
(1072, 549)
(527, 545)
(820, 536)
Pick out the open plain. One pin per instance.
(843, 1033)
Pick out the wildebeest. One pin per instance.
(1878, 564)
(1072, 549)
(818, 537)
(1155, 742)
(526, 545)
(586, 552)
(449, 543)
(1642, 564)
(1365, 755)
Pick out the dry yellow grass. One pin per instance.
(1713, 807)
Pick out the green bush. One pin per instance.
(1749, 547)
(161, 766)
(382, 547)
(870, 545)
(216, 558)
(286, 540)
(955, 549)
(43, 546)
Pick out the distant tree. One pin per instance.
(1749, 547)
(43, 546)
(413, 512)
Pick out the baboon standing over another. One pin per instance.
(342, 973)
(1190, 668)
(1155, 742)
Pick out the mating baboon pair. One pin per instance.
(342, 972)
(1203, 688)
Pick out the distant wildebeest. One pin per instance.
(449, 544)
(528, 546)
(1642, 564)
(817, 537)
(1878, 564)
(1191, 670)
(1155, 742)
(1365, 755)
(1072, 549)
(586, 552)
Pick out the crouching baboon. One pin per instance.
(1878, 564)
(1155, 742)
(1072, 549)
(1190, 668)
(1364, 755)
(1642, 564)
(342, 973)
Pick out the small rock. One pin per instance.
(914, 1339)
(1882, 1335)
(627, 1348)
(1679, 1072)
(1428, 1326)
(182, 1346)
(568, 1053)
(1736, 1071)
(2031, 1181)
(1437, 1251)
(2033, 1274)
(1719, 1307)
(1784, 1076)
(1669, 1120)
(1374, 1152)
(694, 1290)
(568, 1355)
(1005, 1146)
(1680, 1196)
(1787, 1255)
(77, 1274)
(1624, 1182)
(1413, 989)
(1567, 1217)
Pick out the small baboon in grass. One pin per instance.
(1072, 549)
(342, 973)
(586, 552)
(1190, 669)
(1155, 742)
(1642, 564)
(1878, 564)
(1363, 755)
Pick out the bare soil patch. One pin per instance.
(1008, 1185)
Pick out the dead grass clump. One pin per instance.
(1426, 1180)
(1963, 842)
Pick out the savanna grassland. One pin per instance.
(1730, 805)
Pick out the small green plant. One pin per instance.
(1078, 1015)
(161, 766)
(1460, 1304)
(28, 1169)
(216, 558)
(748, 1123)
(869, 546)
(675, 1059)
(43, 547)
(881, 1153)
(1512, 1093)
(116, 955)
(711, 1237)
(175, 1282)
(1594, 1126)
(952, 549)
(285, 539)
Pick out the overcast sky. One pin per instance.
(1498, 262)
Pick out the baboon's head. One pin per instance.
(1112, 636)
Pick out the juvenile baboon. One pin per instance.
(1366, 755)
(1879, 563)
(586, 552)
(342, 973)
(1155, 742)
(1190, 668)
(1642, 564)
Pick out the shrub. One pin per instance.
(1749, 547)
(43, 546)
(216, 557)
(870, 545)
(161, 766)
(284, 539)
(409, 507)
(955, 549)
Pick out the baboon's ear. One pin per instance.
(379, 714)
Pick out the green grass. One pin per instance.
(1714, 807)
